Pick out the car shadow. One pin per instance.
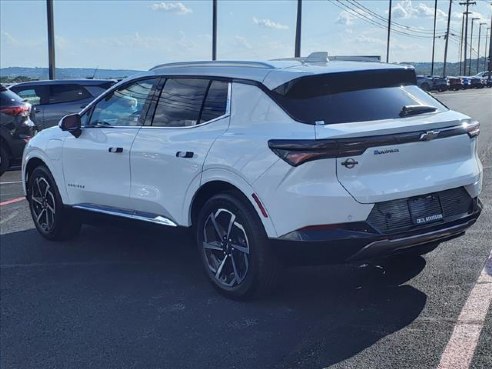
(136, 297)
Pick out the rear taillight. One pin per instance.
(472, 128)
(297, 152)
(16, 110)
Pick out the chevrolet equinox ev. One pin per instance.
(265, 162)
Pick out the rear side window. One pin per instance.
(67, 93)
(35, 95)
(180, 102)
(215, 104)
(8, 98)
(352, 97)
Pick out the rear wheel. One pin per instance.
(234, 248)
(4, 159)
(52, 219)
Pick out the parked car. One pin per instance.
(56, 98)
(455, 83)
(439, 83)
(424, 82)
(485, 77)
(266, 163)
(472, 82)
(16, 128)
(432, 83)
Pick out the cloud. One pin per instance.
(345, 18)
(406, 9)
(268, 23)
(177, 8)
(240, 41)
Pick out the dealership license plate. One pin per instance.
(425, 210)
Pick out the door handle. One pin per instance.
(185, 154)
(115, 149)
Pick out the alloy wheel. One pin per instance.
(226, 248)
(43, 204)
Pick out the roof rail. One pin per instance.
(221, 63)
(323, 57)
(313, 58)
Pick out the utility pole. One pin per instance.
(297, 49)
(467, 3)
(389, 32)
(479, 36)
(486, 42)
(51, 39)
(490, 52)
(461, 43)
(447, 39)
(471, 44)
(214, 29)
(434, 38)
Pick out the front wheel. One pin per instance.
(52, 219)
(234, 248)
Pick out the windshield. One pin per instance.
(352, 97)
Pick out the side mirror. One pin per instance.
(72, 124)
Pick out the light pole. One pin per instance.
(462, 72)
(487, 31)
(479, 35)
(389, 32)
(51, 39)
(471, 44)
(214, 29)
(434, 37)
(297, 48)
(447, 39)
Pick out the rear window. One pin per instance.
(8, 98)
(352, 97)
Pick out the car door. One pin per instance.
(96, 165)
(168, 155)
(64, 99)
(38, 97)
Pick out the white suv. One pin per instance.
(266, 162)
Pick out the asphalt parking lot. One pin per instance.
(135, 297)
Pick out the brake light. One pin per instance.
(472, 128)
(16, 110)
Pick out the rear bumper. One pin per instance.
(360, 242)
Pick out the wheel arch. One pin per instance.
(215, 184)
(36, 158)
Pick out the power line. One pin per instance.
(356, 14)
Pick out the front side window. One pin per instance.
(67, 93)
(123, 107)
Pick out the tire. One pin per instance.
(234, 248)
(52, 219)
(4, 159)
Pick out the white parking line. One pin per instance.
(458, 354)
(13, 182)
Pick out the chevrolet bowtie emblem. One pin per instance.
(429, 135)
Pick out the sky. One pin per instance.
(141, 34)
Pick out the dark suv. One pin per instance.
(16, 127)
(54, 99)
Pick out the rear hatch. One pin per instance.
(392, 139)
